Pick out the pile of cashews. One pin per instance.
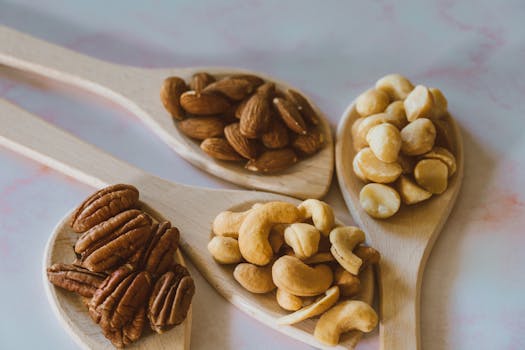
(403, 144)
(314, 267)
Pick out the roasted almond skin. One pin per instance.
(308, 144)
(241, 144)
(255, 116)
(200, 80)
(290, 115)
(240, 108)
(303, 106)
(253, 79)
(204, 103)
(233, 88)
(220, 148)
(276, 136)
(170, 93)
(201, 128)
(273, 160)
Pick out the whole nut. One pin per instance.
(170, 93)
(407, 163)
(220, 148)
(244, 146)
(445, 156)
(288, 301)
(325, 302)
(234, 88)
(431, 174)
(204, 103)
(369, 122)
(321, 213)
(371, 102)
(272, 161)
(356, 167)
(418, 103)
(418, 137)
(309, 143)
(357, 140)
(256, 114)
(200, 80)
(349, 285)
(396, 110)
(103, 205)
(201, 128)
(225, 250)
(385, 141)
(374, 169)
(344, 239)
(440, 105)
(228, 223)
(379, 201)
(303, 239)
(256, 279)
(303, 106)
(395, 85)
(369, 255)
(160, 252)
(276, 136)
(409, 192)
(75, 279)
(290, 115)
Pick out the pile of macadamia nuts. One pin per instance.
(314, 267)
(403, 144)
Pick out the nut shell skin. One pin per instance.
(75, 279)
(160, 252)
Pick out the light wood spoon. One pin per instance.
(404, 240)
(191, 209)
(138, 90)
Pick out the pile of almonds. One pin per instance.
(125, 268)
(242, 118)
(403, 144)
(315, 268)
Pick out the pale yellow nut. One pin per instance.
(445, 156)
(288, 301)
(366, 293)
(376, 170)
(357, 140)
(410, 192)
(440, 103)
(379, 201)
(349, 285)
(329, 299)
(295, 277)
(319, 258)
(344, 239)
(369, 122)
(395, 85)
(371, 102)
(407, 163)
(225, 250)
(397, 111)
(256, 279)
(418, 137)
(432, 175)
(276, 237)
(321, 213)
(345, 316)
(418, 103)
(228, 223)
(385, 141)
(357, 169)
(303, 239)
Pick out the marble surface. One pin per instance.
(474, 284)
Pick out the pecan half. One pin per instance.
(102, 205)
(75, 279)
(160, 253)
(114, 241)
(171, 299)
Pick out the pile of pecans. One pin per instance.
(242, 118)
(403, 143)
(125, 268)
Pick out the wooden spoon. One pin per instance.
(138, 90)
(404, 240)
(73, 314)
(191, 209)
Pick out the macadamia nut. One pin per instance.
(376, 170)
(395, 85)
(440, 103)
(385, 141)
(418, 137)
(371, 102)
(418, 103)
(396, 110)
(445, 156)
(411, 193)
(432, 175)
(379, 201)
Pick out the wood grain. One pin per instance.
(138, 91)
(404, 240)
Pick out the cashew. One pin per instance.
(366, 294)
(385, 141)
(445, 156)
(276, 237)
(379, 201)
(228, 223)
(359, 142)
(295, 277)
(344, 317)
(396, 110)
(431, 174)
(319, 258)
(418, 103)
(225, 250)
(395, 85)
(418, 137)
(371, 102)
(411, 193)
(369, 255)
(303, 238)
(255, 279)
(349, 285)
(440, 103)
(255, 229)
(324, 303)
(288, 301)
(343, 240)
(374, 169)
(321, 213)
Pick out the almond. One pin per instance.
(308, 144)
(201, 128)
(273, 160)
(204, 103)
(253, 79)
(290, 115)
(234, 89)
(239, 108)
(255, 116)
(200, 80)
(170, 93)
(219, 148)
(276, 136)
(244, 146)
(303, 106)
(267, 90)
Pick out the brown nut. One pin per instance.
(255, 279)
(204, 103)
(235, 89)
(440, 105)
(418, 103)
(410, 192)
(431, 174)
(290, 115)
(170, 93)
(344, 239)
(325, 302)
(395, 85)
(288, 301)
(303, 106)
(303, 239)
(309, 143)
(349, 285)
(379, 201)
(445, 156)
(272, 161)
(371, 102)
(225, 250)
(160, 252)
(75, 279)
(200, 80)
(418, 137)
(201, 128)
(385, 141)
(244, 146)
(276, 136)
(256, 113)
(374, 169)
(170, 299)
(220, 148)
(103, 205)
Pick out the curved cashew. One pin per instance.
(303, 238)
(343, 240)
(225, 250)
(345, 316)
(255, 279)
(349, 285)
(369, 255)
(319, 258)
(276, 237)
(255, 229)
(228, 223)
(321, 213)
(288, 301)
(295, 277)
(324, 303)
